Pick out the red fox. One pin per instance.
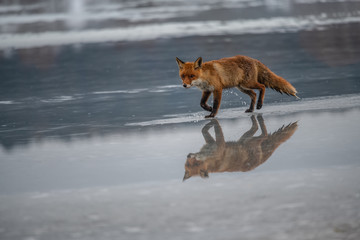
(242, 72)
(243, 155)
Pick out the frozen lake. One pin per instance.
(99, 140)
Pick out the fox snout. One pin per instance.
(187, 82)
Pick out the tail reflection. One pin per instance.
(241, 156)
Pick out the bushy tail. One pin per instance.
(275, 139)
(273, 81)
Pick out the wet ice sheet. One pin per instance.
(306, 204)
(158, 153)
(311, 104)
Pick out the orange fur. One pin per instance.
(242, 72)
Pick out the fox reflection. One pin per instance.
(241, 156)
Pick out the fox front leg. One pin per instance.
(216, 103)
(204, 98)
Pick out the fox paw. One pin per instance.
(209, 109)
(211, 115)
(206, 107)
(249, 110)
(259, 106)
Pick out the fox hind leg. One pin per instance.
(262, 125)
(252, 130)
(252, 95)
(260, 101)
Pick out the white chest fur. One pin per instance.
(202, 85)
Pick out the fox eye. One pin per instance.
(183, 76)
(192, 76)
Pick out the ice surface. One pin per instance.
(324, 205)
(309, 104)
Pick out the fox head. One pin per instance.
(189, 71)
(194, 167)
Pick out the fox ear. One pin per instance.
(180, 63)
(186, 176)
(197, 63)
